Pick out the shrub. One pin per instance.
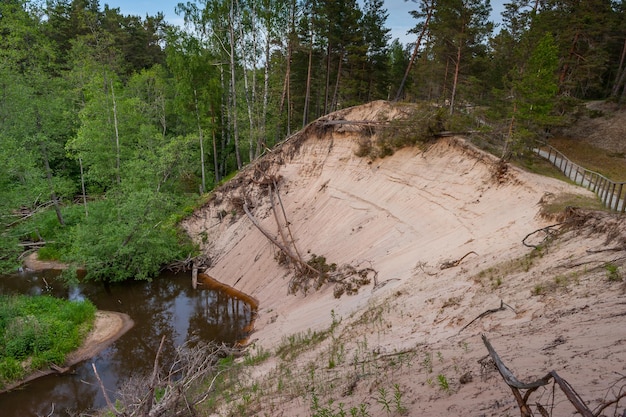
(37, 331)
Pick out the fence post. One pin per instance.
(613, 185)
(591, 182)
(605, 190)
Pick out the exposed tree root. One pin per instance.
(452, 264)
(502, 307)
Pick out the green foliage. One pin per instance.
(128, 240)
(443, 382)
(42, 329)
(420, 127)
(537, 88)
(612, 272)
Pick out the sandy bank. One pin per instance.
(33, 262)
(409, 216)
(107, 328)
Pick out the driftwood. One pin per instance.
(173, 389)
(516, 385)
(26, 213)
(33, 244)
(102, 387)
(548, 230)
(452, 264)
(502, 307)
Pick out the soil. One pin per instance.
(415, 329)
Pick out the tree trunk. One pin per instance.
(201, 136)
(621, 73)
(333, 103)
(262, 137)
(246, 88)
(215, 163)
(53, 196)
(233, 91)
(327, 88)
(414, 55)
(82, 184)
(307, 97)
(457, 67)
(117, 137)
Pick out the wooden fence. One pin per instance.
(611, 193)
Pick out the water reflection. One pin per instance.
(168, 307)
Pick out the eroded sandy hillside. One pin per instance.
(406, 219)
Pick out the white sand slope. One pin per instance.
(405, 216)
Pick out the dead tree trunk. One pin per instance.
(415, 50)
(516, 385)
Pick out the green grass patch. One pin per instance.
(558, 203)
(532, 162)
(38, 331)
(611, 165)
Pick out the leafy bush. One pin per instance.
(128, 238)
(420, 127)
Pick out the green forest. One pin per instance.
(114, 127)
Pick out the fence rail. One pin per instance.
(611, 193)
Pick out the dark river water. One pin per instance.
(166, 306)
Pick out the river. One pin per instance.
(166, 306)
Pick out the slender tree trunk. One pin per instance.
(201, 138)
(333, 104)
(621, 73)
(225, 112)
(307, 96)
(262, 137)
(415, 50)
(455, 81)
(246, 87)
(215, 163)
(285, 95)
(117, 137)
(53, 196)
(327, 88)
(254, 143)
(233, 91)
(82, 185)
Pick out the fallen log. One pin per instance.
(516, 385)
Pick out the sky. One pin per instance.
(399, 20)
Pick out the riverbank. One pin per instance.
(33, 263)
(108, 326)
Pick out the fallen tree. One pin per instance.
(517, 386)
